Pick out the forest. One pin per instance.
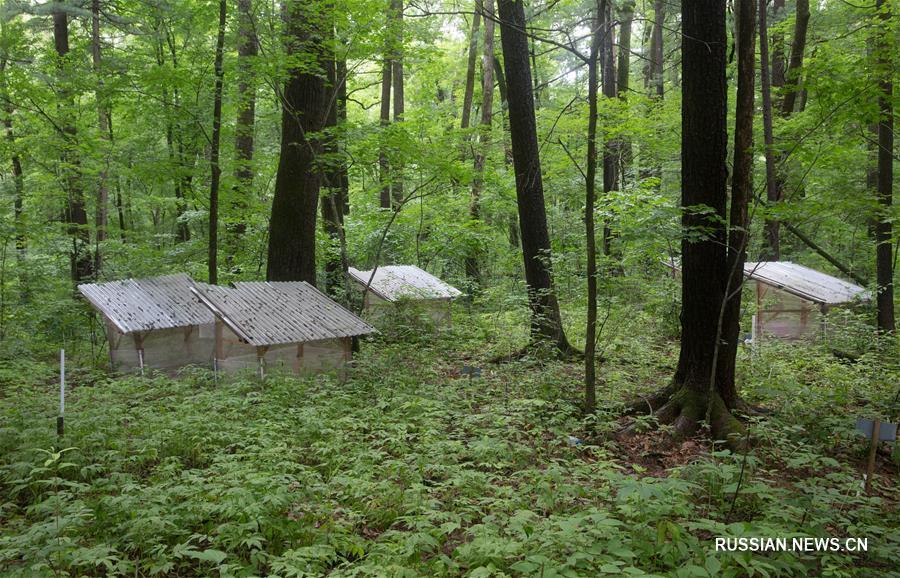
(654, 332)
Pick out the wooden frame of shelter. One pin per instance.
(288, 325)
(153, 322)
(392, 284)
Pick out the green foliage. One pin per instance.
(408, 468)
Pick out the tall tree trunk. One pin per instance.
(794, 76)
(336, 264)
(344, 183)
(546, 322)
(771, 242)
(292, 229)
(695, 395)
(590, 175)
(512, 219)
(883, 228)
(102, 215)
(120, 208)
(174, 140)
(469, 90)
(18, 176)
(76, 214)
(741, 193)
(504, 105)
(384, 167)
(608, 73)
(215, 169)
(397, 79)
(487, 105)
(778, 73)
(623, 71)
(248, 48)
(656, 49)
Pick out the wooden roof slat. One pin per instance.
(272, 313)
(134, 305)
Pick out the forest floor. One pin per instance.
(409, 468)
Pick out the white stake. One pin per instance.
(60, 423)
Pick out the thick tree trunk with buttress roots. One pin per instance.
(695, 395)
(546, 322)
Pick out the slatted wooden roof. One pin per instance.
(135, 305)
(804, 282)
(393, 282)
(272, 313)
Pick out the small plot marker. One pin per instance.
(60, 419)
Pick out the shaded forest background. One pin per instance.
(132, 126)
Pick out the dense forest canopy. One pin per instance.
(593, 174)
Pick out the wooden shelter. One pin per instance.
(153, 322)
(287, 325)
(396, 283)
(792, 300)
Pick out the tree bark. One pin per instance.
(771, 243)
(512, 219)
(590, 338)
(795, 66)
(248, 49)
(741, 193)
(102, 214)
(623, 71)
(384, 167)
(336, 263)
(397, 80)
(16, 162)
(175, 141)
(884, 272)
(76, 214)
(695, 394)
(608, 73)
(656, 50)
(215, 169)
(473, 271)
(504, 105)
(469, 91)
(778, 73)
(292, 229)
(344, 177)
(546, 322)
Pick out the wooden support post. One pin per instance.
(299, 358)
(873, 447)
(347, 346)
(261, 359)
(139, 347)
(219, 353)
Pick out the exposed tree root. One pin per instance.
(649, 404)
(685, 409)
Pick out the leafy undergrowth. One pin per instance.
(409, 469)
